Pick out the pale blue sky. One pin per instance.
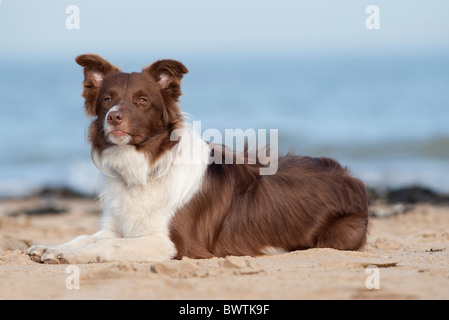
(208, 27)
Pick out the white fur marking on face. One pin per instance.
(114, 108)
(121, 140)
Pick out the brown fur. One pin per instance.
(309, 202)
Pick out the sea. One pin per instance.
(385, 117)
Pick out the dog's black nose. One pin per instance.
(115, 117)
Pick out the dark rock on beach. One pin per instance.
(407, 195)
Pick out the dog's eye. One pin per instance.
(108, 99)
(143, 102)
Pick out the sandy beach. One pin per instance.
(406, 257)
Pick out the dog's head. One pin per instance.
(131, 108)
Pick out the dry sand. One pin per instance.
(407, 254)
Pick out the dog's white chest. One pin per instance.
(135, 211)
(140, 200)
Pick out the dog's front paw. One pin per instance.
(48, 255)
(36, 252)
(55, 257)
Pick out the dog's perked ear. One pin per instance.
(168, 74)
(95, 70)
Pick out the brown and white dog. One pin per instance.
(157, 207)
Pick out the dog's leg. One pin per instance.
(156, 247)
(37, 252)
(344, 233)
